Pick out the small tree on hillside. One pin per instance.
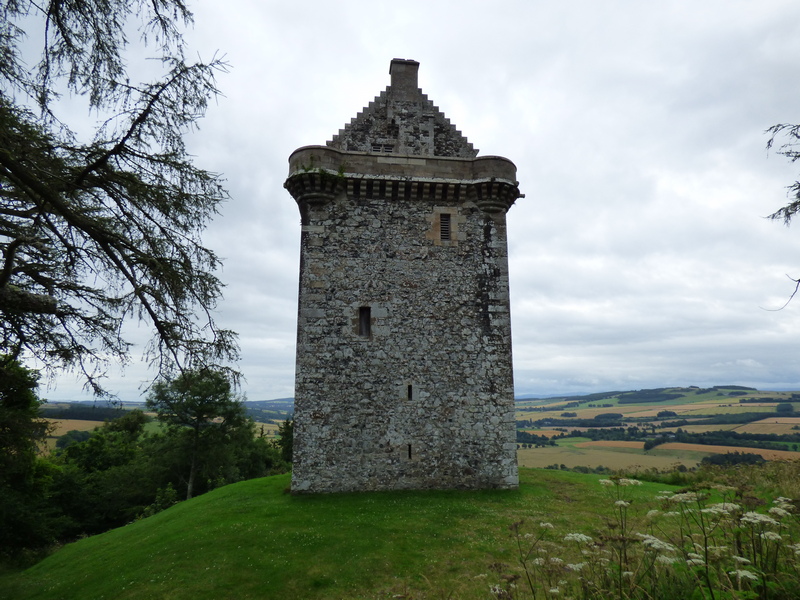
(201, 411)
(22, 483)
(285, 441)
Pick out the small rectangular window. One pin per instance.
(444, 227)
(364, 321)
(409, 452)
(409, 393)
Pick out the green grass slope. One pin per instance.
(252, 540)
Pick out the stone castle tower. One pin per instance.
(404, 377)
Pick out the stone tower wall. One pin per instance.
(404, 374)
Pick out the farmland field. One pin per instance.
(778, 425)
(703, 448)
(62, 426)
(612, 458)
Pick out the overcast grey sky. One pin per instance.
(640, 256)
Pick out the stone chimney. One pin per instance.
(404, 79)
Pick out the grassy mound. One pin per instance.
(252, 540)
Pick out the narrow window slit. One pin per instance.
(365, 322)
(409, 392)
(409, 452)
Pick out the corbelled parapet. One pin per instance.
(318, 173)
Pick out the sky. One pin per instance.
(641, 255)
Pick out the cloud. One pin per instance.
(640, 256)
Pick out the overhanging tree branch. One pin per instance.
(94, 232)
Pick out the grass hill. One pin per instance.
(582, 537)
(252, 540)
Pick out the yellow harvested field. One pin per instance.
(269, 429)
(545, 432)
(777, 425)
(62, 426)
(701, 428)
(767, 454)
(595, 457)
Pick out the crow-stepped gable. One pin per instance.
(403, 376)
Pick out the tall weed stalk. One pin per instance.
(709, 542)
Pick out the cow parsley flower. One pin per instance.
(695, 562)
(743, 574)
(624, 481)
(578, 537)
(755, 518)
(778, 512)
(683, 498)
(651, 542)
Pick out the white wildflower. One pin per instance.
(606, 482)
(693, 555)
(755, 518)
(630, 482)
(744, 574)
(556, 561)
(672, 513)
(578, 537)
(622, 503)
(538, 561)
(665, 560)
(778, 512)
(771, 536)
(714, 511)
(627, 574)
(653, 513)
(741, 560)
(695, 562)
(651, 542)
(684, 498)
(554, 591)
(545, 525)
(726, 506)
(576, 566)
(528, 536)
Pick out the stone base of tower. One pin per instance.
(458, 464)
